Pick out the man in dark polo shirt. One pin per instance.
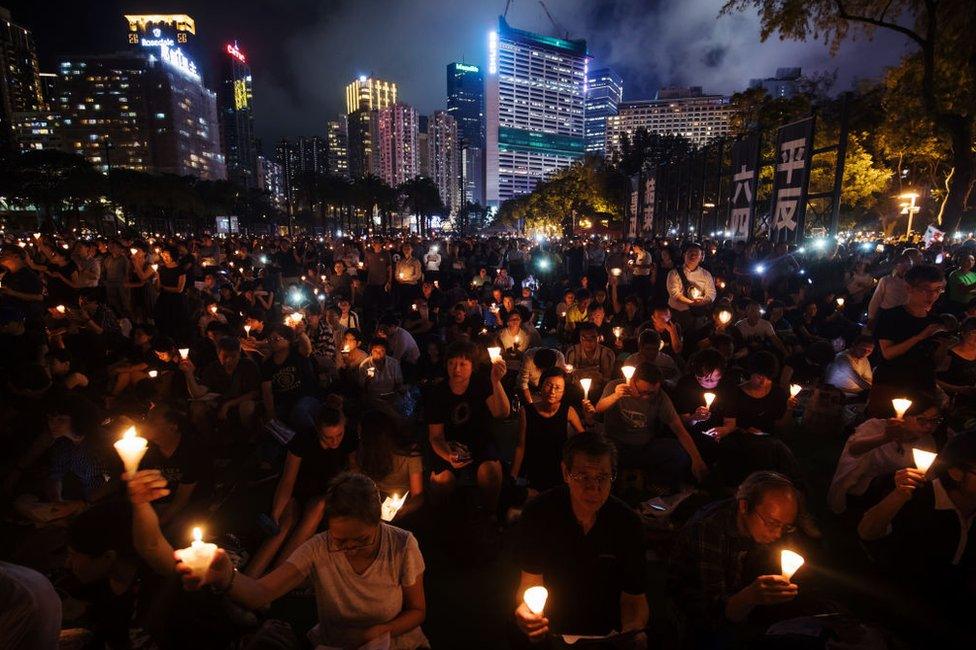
(379, 276)
(587, 548)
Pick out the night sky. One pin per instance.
(304, 52)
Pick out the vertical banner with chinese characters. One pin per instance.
(634, 216)
(647, 227)
(745, 168)
(794, 148)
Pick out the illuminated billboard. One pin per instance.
(240, 94)
(235, 52)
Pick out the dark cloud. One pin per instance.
(304, 52)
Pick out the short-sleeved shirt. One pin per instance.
(398, 480)
(290, 381)
(347, 601)
(320, 465)
(245, 378)
(377, 267)
(585, 573)
(187, 465)
(466, 416)
(635, 420)
(913, 368)
(688, 395)
(24, 281)
(758, 412)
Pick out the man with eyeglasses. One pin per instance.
(587, 548)
(724, 571)
(906, 340)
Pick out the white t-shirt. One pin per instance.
(347, 601)
(855, 473)
(762, 330)
(433, 261)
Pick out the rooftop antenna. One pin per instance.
(559, 28)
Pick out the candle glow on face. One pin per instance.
(790, 562)
(923, 459)
(901, 405)
(535, 599)
(709, 398)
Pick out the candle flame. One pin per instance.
(197, 534)
(795, 389)
(790, 562)
(129, 433)
(535, 598)
(923, 459)
(709, 398)
(628, 372)
(901, 405)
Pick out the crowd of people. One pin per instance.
(641, 427)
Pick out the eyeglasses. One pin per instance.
(351, 544)
(772, 524)
(586, 480)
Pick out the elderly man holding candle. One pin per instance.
(720, 596)
(586, 547)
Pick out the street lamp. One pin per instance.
(910, 208)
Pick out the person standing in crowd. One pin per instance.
(379, 279)
(691, 289)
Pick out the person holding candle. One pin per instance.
(514, 340)
(543, 426)
(880, 447)
(368, 574)
(633, 413)
(409, 274)
(21, 289)
(171, 310)
(586, 547)
(720, 597)
(287, 378)
(690, 288)
(850, 371)
(923, 532)
(755, 332)
(181, 460)
(534, 363)
(458, 413)
(380, 375)
(379, 278)
(590, 358)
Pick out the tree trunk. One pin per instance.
(960, 132)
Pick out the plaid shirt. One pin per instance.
(323, 340)
(712, 561)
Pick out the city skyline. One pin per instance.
(299, 78)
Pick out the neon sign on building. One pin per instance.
(235, 52)
(175, 58)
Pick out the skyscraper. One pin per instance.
(139, 111)
(270, 180)
(683, 111)
(234, 96)
(337, 146)
(286, 156)
(364, 95)
(394, 156)
(312, 155)
(444, 159)
(20, 81)
(466, 104)
(604, 90)
(535, 102)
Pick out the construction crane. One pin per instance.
(559, 28)
(508, 3)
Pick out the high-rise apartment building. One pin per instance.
(781, 86)
(312, 155)
(235, 98)
(20, 81)
(363, 96)
(337, 146)
(271, 181)
(676, 111)
(444, 159)
(466, 104)
(535, 103)
(394, 156)
(290, 162)
(604, 91)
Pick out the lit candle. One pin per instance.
(923, 459)
(535, 599)
(840, 302)
(133, 250)
(184, 353)
(709, 398)
(494, 353)
(247, 330)
(618, 332)
(345, 349)
(795, 389)
(616, 272)
(586, 382)
(790, 562)
(901, 405)
(694, 292)
(131, 449)
(213, 309)
(371, 371)
(154, 267)
(61, 309)
(391, 505)
(721, 284)
(569, 368)
(724, 317)
(628, 372)
(198, 555)
(153, 374)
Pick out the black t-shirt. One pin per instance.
(188, 465)
(914, 368)
(585, 574)
(465, 417)
(320, 465)
(24, 281)
(688, 395)
(285, 260)
(761, 413)
(805, 372)
(290, 381)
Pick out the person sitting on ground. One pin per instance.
(233, 381)
(590, 358)
(755, 332)
(649, 346)
(850, 371)
(299, 500)
(396, 467)
(587, 548)
(724, 572)
(535, 361)
(636, 412)
(400, 343)
(181, 460)
(880, 447)
(380, 375)
(459, 413)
